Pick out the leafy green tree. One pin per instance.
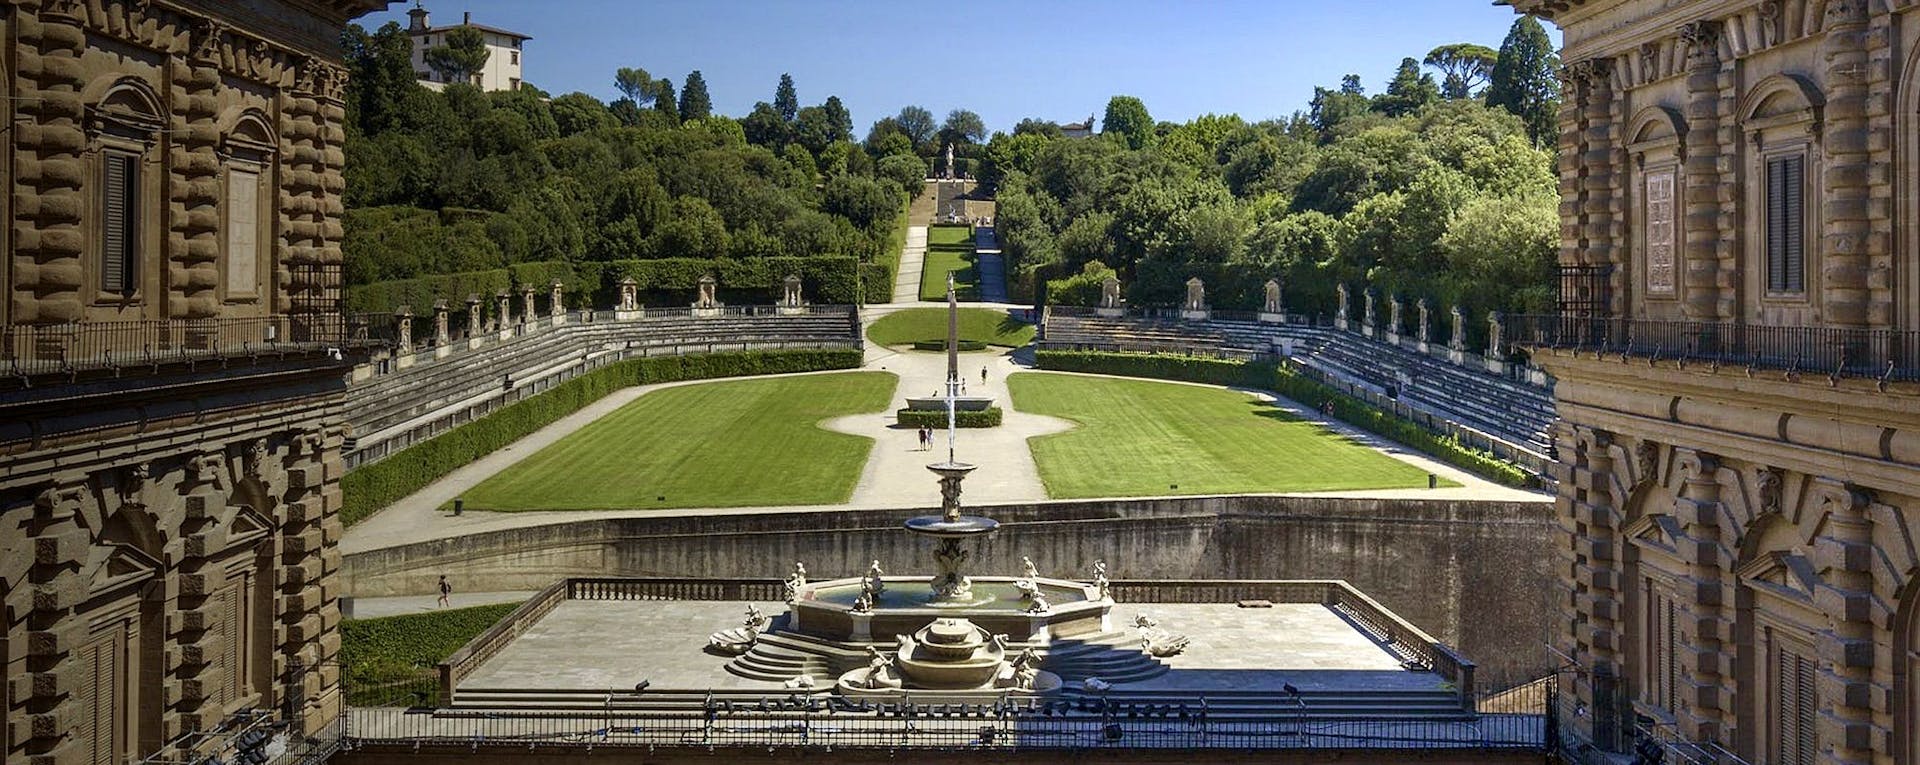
(635, 84)
(1523, 79)
(863, 201)
(1463, 67)
(1502, 251)
(764, 127)
(694, 103)
(962, 127)
(918, 125)
(692, 229)
(814, 129)
(1332, 108)
(1039, 127)
(576, 113)
(461, 57)
(1127, 117)
(903, 170)
(1409, 92)
(1010, 154)
(786, 102)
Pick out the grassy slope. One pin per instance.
(391, 658)
(949, 248)
(1139, 438)
(724, 444)
(985, 325)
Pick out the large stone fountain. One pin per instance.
(948, 634)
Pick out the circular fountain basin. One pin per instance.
(939, 526)
(825, 609)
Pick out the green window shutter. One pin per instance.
(119, 261)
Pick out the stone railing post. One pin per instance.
(557, 305)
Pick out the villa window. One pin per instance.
(1786, 224)
(514, 57)
(120, 239)
(1796, 708)
(1662, 642)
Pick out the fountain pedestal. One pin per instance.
(952, 586)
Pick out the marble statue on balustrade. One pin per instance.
(442, 332)
(1272, 310)
(1110, 298)
(629, 305)
(1366, 312)
(557, 305)
(790, 301)
(1341, 299)
(1426, 324)
(1393, 319)
(403, 335)
(527, 314)
(707, 304)
(1195, 307)
(1496, 347)
(1457, 344)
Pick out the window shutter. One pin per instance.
(1776, 226)
(117, 244)
(1796, 223)
(1670, 665)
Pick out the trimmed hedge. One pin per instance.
(1200, 369)
(382, 483)
(934, 418)
(392, 660)
(1286, 382)
(827, 279)
(941, 345)
(876, 283)
(830, 279)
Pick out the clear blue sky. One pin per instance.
(1005, 59)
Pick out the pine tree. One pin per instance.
(663, 99)
(786, 102)
(694, 102)
(1523, 79)
(1463, 66)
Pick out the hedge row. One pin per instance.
(382, 483)
(941, 345)
(876, 283)
(1200, 369)
(391, 660)
(829, 279)
(935, 418)
(1286, 382)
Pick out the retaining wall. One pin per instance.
(1474, 574)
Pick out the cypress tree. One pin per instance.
(1523, 79)
(694, 102)
(786, 102)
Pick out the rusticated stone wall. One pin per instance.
(167, 534)
(1474, 574)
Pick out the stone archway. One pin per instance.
(1906, 674)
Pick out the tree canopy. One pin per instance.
(461, 57)
(1127, 117)
(1523, 80)
(1464, 67)
(695, 104)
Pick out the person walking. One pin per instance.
(983, 374)
(446, 593)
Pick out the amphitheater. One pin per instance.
(1463, 568)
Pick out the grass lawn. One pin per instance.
(720, 444)
(949, 248)
(390, 660)
(983, 324)
(1143, 438)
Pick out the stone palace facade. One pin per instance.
(1739, 456)
(172, 363)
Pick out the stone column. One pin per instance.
(1702, 270)
(1847, 236)
(1706, 710)
(528, 314)
(403, 330)
(1496, 349)
(1426, 324)
(1594, 578)
(52, 637)
(1393, 319)
(557, 303)
(1366, 315)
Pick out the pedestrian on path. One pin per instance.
(446, 592)
(983, 374)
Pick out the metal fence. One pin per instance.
(1837, 352)
(35, 349)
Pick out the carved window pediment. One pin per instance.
(1659, 531)
(114, 567)
(1789, 575)
(242, 526)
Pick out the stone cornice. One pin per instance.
(169, 27)
(1847, 399)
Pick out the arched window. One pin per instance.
(1655, 144)
(1781, 118)
(123, 124)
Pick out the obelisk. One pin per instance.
(952, 586)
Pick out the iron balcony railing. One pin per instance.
(1836, 352)
(28, 350)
